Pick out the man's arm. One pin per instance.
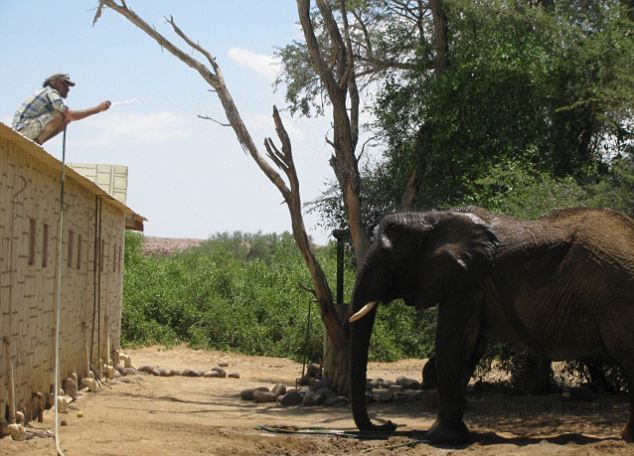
(72, 115)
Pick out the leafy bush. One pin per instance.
(242, 292)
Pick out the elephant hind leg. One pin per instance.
(429, 373)
(619, 346)
(626, 361)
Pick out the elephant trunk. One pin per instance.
(369, 290)
(360, 333)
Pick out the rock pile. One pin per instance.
(314, 390)
(16, 430)
(124, 368)
(403, 389)
(286, 397)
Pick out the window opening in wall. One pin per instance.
(32, 229)
(120, 262)
(114, 258)
(71, 239)
(45, 246)
(79, 251)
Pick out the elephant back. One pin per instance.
(606, 235)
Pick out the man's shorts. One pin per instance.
(32, 128)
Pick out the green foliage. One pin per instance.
(241, 292)
(616, 188)
(526, 89)
(304, 91)
(517, 188)
(236, 292)
(401, 331)
(533, 113)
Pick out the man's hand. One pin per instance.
(104, 105)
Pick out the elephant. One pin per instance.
(561, 287)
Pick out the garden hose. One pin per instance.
(293, 430)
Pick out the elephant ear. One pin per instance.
(461, 247)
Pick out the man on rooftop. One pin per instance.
(44, 114)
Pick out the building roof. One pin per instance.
(133, 220)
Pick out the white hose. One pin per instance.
(58, 297)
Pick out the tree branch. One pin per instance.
(305, 288)
(350, 79)
(340, 48)
(365, 32)
(275, 155)
(213, 120)
(210, 58)
(316, 57)
(382, 64)
(162, 41)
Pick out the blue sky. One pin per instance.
(187, 176)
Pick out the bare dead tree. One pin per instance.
(282, 159)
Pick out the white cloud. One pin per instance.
(151, 127)
(138, 128)
(264, 65)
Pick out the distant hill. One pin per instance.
(152, 244)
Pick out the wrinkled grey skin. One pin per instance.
(561, 287)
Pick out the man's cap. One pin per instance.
(61, 76)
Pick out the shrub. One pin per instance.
(242, 292)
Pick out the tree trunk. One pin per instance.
(336, 358)
(441, 43)
(424, 133)
(339, 79)
(423, 141)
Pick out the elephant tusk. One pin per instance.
(363, 311)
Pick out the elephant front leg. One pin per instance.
(457, 334)
(628, 431)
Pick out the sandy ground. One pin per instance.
(205, 416)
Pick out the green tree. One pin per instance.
(533, 110)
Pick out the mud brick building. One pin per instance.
(92, 249)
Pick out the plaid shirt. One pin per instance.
(46, 100)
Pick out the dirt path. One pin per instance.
(205, 416)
